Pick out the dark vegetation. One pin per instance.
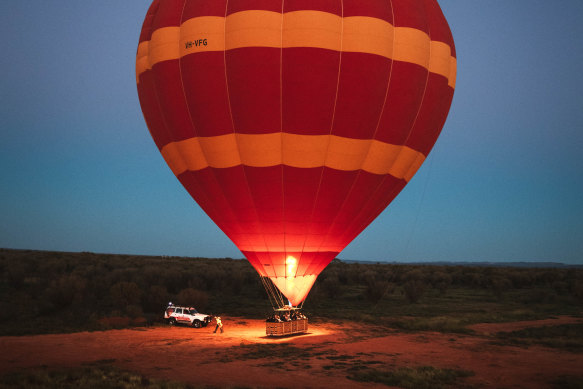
(423, 377)
(567, 382)
(98, 376)
(359, 367)
(43, 292)
(565, 336)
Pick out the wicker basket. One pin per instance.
(286, 327)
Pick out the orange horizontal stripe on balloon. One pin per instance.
(256, 28)
(301, 151)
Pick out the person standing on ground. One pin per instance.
(219, 324)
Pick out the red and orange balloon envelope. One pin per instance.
(293, 124)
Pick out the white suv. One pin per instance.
(185, 315)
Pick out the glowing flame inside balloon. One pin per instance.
(291, 265)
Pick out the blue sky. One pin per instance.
(79, 171)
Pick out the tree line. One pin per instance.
(41, 291)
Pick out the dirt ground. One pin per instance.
(320, 359)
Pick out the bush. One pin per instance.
(66, 290)
(156, 298)
(414, 290)
(376, 290)
(414, 286)
(193, 298)
(441, 281)
(125, 293)
(15, 275)
(99, 375)
(577, 292)
(331, 287)
(237, 280)
(500, 285)
(413, 377)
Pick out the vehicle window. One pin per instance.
(179, 311)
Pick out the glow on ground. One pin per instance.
(256, 334)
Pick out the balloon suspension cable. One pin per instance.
(276, 298)
(301, 305)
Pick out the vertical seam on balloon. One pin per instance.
(225, 66)
(157, 96)
(182, 83)
(338, 77)
(371, 218)
(235, 132)
(281, 132)
(210, 203)
(323, 168)
(426, 83)
(155, 90)
(379, 185)
(359, 172)
(390, 76)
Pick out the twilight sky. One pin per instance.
(80, 172)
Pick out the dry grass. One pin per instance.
(102, 376)
(423, 377)
(567, 337)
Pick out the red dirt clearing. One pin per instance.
(320, 359)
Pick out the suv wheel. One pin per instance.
(172, 321)
(196, 324)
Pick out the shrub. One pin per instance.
(125, 293)
(66, 290)
(15, 275)
(331, 287)
(193, 298)
(214, 277)
(368, 277)
(413, 377)
(520, 278)
(500, 285)
(561, 287)
(134, 311)
(414, 290)
(155, 299)
(98, 375)
(236, 282)
(376, 290)
(441, 281)
(577, 291)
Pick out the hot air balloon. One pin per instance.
(293, 124)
